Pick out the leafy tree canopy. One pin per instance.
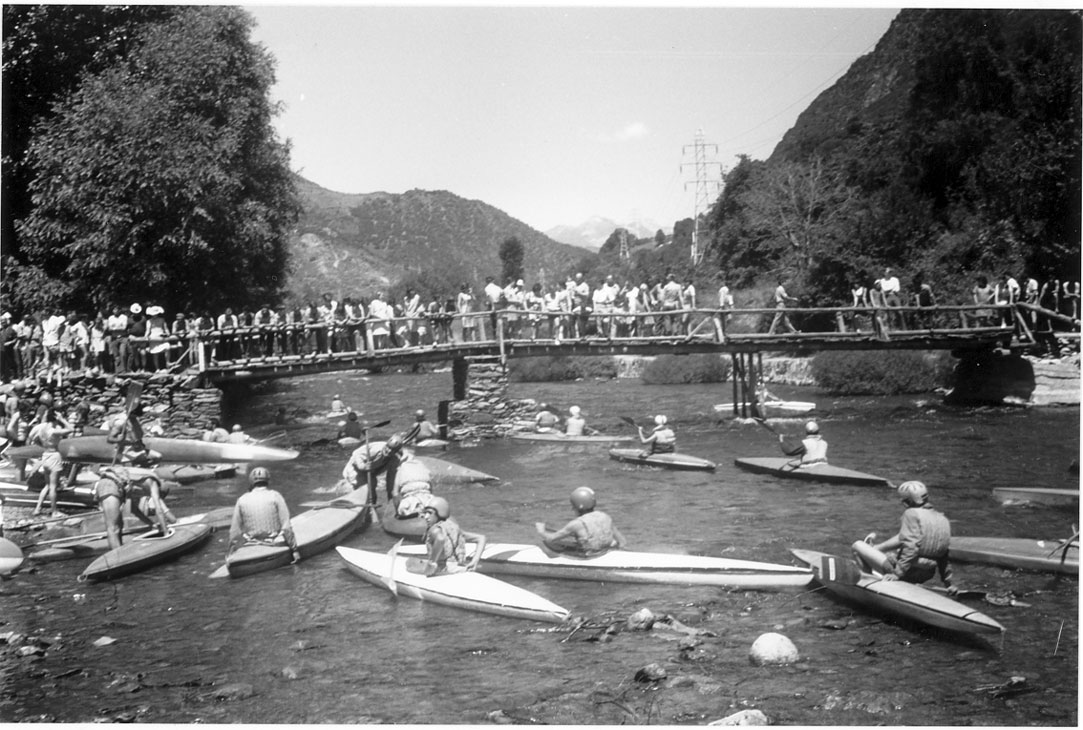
(160, 178)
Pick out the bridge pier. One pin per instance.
(747, 378)
(481, 407)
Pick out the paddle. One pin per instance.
(1064, 545)
(393, 554)
(629, 421)
(763, 422)
(29, 525)
(412, 434)
(273, 437)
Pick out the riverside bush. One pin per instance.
(881, 373)
(548, 369)
(670, 369)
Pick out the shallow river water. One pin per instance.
(312, 643)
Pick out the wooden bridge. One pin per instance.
(251, 354)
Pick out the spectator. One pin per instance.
(116, 328)
(8, 343)
(137, 339)
(782, 298)
(466, 305)
(984, 294)
(157, 339)
(178, 345)
(98, 356)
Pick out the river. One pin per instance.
(312, 643)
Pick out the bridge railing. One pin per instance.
(505, 328)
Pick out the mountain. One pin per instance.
(354, 244)
(592, 233)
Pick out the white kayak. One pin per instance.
(469, 590)
(908, 600)
(627, 566)
(1037, 495)
(775, 408)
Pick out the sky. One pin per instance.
(552, 114)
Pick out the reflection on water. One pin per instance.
(313, 644)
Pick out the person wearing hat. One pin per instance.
(812, 449)
(157, 338)
(446, 541)
(592, 532)
(424, 428)
(119, 484)
(546, 421)
(137, 339)
(919, 550)
(261, 516)
(662, 439)
(351, 427)
(575, 425)
(371, 459)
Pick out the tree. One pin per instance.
(511, 259)
(160, 177)
(659, 237)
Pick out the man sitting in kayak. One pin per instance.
(812, 449)
(261, 515)
(576, 425)
(446, 541)
(920, 547)
(592, 532)
(662, 439)
(351, 428)
(424, 429)
(546, 421)
(413, 486)
(369, 460)
(145, 496)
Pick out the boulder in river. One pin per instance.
(772, 648)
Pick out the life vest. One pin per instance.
(413, 476)
(574, 426)
(546, 420)
(815, 450)
(446, 543)
(598, 527)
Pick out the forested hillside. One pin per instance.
(355, 244)
(951, 150)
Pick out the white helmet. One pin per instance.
(812, 427)
(660, 420)
(914, 492)
(574, 410)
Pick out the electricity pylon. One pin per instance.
(703, 184)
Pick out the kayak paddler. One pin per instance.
(413, 486)
(371, 459)
(351, 427)
(812, 449)
(576, 424)
(592, 532)
(117, 485)
(446, 541)
(662, 439)
(261, 516)
(546, 421)
(424, 428)
(919, 550)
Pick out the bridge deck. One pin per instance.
(266, 354)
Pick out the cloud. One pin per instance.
(630, 131)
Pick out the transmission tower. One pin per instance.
(624, 254)
(703, 182)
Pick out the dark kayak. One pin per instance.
(786, 468)
(1052, 556)
(665, 461)
(409, 528)
(147, 551)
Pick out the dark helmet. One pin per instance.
(583, 499)
(259, 476)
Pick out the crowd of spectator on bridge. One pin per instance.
(140, 337)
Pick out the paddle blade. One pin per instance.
(833, 569)
(393, 554)
(221, 572)
(629, 421)
(763, 422)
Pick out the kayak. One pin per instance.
(433, 444)
(785, 468)
(907, 600)
(776, 408)
(193, 473)
(96, 543)
(1019, 553)
(11, 474)
(408, 528)
(317, 531)
(95, 449)
(671, 460)
(11, 557)
(468, 590)
(626, 566)
(147, 551)
(1037, 495)
(562, 438)
(80, 497)
(446, 472)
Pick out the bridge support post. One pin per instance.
(481, 408)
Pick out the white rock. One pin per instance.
(772, 648)
(641, 620)
(744, 717)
